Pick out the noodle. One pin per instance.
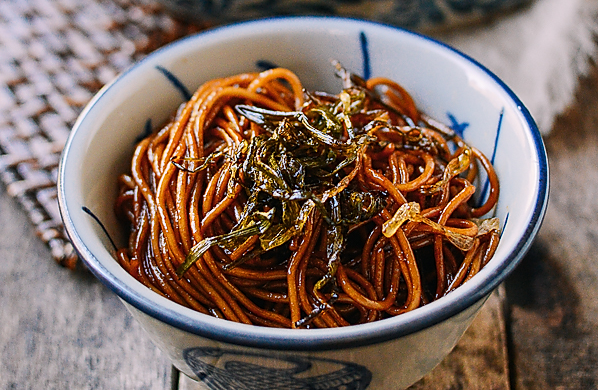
(262, 203)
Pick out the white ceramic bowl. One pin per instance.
(392, 353)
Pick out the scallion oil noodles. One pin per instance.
(262, 203)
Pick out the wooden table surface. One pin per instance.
(61, 329)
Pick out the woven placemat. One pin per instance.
(54, 55)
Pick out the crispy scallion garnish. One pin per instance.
(307, 160)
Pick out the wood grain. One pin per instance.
(61, 329)
(553, 294)
(480, 360)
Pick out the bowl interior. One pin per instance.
(444, 84)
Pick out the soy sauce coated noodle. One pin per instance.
(265, 204)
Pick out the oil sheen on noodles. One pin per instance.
(264, 203)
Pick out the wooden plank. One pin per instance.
(553, 294)
(479, 361)
(61, 329)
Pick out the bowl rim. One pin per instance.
(310, 339)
